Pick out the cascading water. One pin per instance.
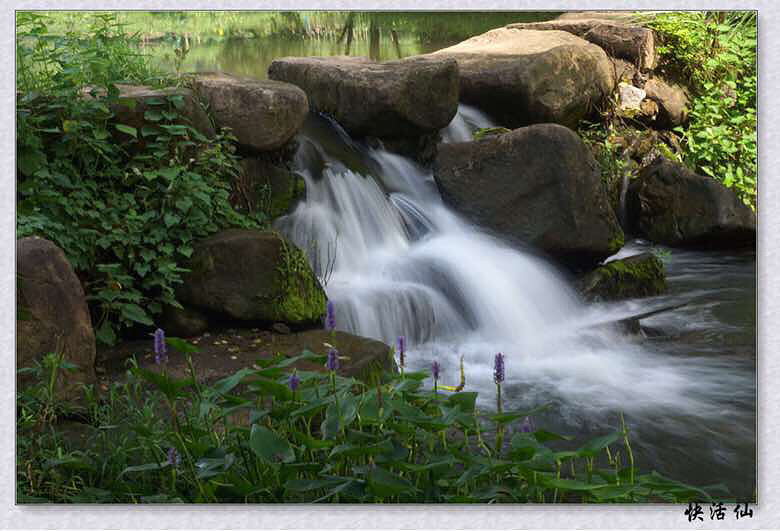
(400, 262)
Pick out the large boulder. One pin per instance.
(538, 184)
(52, 314)
(620, 40)
(522, 77)
(136, 100)
(263, 115)
(269, 188)
(672, 205)
(641, 275)
(412, 97)
(252, 276)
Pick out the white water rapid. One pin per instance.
(404, 264)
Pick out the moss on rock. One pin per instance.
(253, 276)
(641, 275)
(489, 131)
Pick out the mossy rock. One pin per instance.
(641, 275)
(489, 131)
(253, 275)
(268, 188)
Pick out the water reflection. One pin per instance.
(380, 36)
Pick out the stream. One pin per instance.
(397, 261)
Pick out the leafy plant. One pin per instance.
(124, 204)
(714, 54)
(262, 435)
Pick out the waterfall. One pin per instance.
(400, 262)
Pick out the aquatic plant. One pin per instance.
(332, 439)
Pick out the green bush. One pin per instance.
(125, 205)
(714, 54)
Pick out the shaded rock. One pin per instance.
(268, 188)
(525, 77)
(538, 184)
(411, 97)
(148, 99)
(359, 357)
(671, 101)
(263, 114)
(52, 314)
(252, 276)
(616, 37)
(281, 328)
(184, 322)
(670, 204)
(641, 275)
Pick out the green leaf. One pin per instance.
(182, 345)
(594, 446)
(509, 416)
(385, 484)
(170, 219)
(144, 468)
(543, 436)
(152, 116)
(105, 334)
(466, 401)
(226, 384)
(169, 173)
(132, 131)
(135, 313)
(269, 446)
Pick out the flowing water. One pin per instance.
(397, 261)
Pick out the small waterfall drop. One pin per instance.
(400, 262)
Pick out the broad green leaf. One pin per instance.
(133, 312)
(226, 384)
(270, 446)
(132, 131)
(385, 484)
(594, 446)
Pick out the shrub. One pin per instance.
(125, 205)
(714, 54)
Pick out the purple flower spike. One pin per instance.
(526, 426)
(160, 352)
(330, 316)
(174, 459)
(401, 349)
(498, 368)
(435, 368)
(294, 381)
(333, 360)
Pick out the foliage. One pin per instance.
(714, 53)
(124, 204)
(262, 436)
(440, 25)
